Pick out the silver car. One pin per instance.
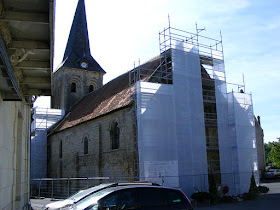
(135, 197)
(272, 173)
(76, 197)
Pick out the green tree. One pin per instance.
(267, 148)
(274, 154)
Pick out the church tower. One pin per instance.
(79, 72)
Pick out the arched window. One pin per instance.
(60, 149)
(90, 88)
(85, 145)
(115, 136)
(73, 87)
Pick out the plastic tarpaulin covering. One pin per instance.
(236, 131)
(171, 132)
(225, 147)
(44, 118)
(242, 128)
(171, 127)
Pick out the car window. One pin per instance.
(91, 200)
(176, 199)
(150, 197)
(122, 199)
(81, 194)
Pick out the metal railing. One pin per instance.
(60, 188)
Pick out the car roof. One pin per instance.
(86, 192)
(82, 193)
(122, 186)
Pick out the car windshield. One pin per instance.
(90, 200)
(79, 195)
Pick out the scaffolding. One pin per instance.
(185, 116)
(43, 118)
(210, 53)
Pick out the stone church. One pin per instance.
(98, 127)
(169, 121)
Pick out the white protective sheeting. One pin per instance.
(171, 132)
(225, 148)
(171, 126)
(236, 133)
(44, 118)
(242, 129)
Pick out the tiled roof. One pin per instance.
(114, 95)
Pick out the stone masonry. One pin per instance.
(101, 160)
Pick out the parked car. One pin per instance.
(139, 197)
(76, 197)
(64, 204)
(272, 173)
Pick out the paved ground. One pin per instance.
(269, 201)
(37, 204)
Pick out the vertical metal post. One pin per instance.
(139, 71)
(40, 188)
(196, 36)
(68, 187)
(169, 29)
(52, 189)
(234, 183)
(201, 181)
(222, 49)
(244, 83)
(134, 73)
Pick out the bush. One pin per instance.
(200, 196)
(213, 191)
(227, 199)
(253, 191)
(263, 189)
(246, 196)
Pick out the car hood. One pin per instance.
(59, 204)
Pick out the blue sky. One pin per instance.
(122, 32)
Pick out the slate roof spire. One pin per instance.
(77, 52)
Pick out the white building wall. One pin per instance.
(14, 154)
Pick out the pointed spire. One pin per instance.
(77, 52)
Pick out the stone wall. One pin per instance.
(101, 160)
(260, 147)
(14, 154)
(62, 97)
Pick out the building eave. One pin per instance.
(27, 28)
(8, 85)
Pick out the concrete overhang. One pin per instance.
(27, 29)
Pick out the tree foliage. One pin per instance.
(272, 153)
